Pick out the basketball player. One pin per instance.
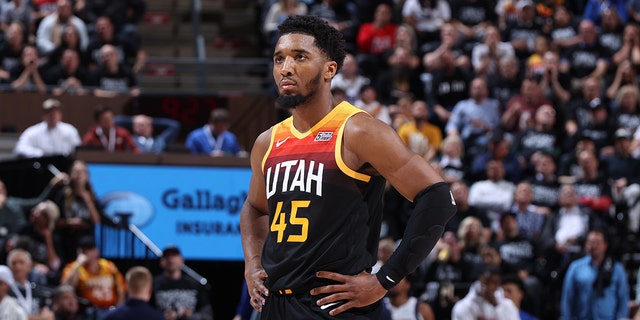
(311, 222)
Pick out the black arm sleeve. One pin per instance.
(434, 206)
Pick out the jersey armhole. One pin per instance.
(274, 130)
(338, 154)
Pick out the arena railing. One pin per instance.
(191, 75)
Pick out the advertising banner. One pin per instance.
(193, 207)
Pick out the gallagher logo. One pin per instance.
(124, 202)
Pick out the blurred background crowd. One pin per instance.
(529, 109)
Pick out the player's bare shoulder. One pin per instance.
(261, 146)
(369, 140)
(363, 131)
(363, 125)
(262, 141)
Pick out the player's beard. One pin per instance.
(292, 101)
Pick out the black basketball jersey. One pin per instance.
(322, 214)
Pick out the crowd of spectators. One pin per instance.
(74, 47)
(530, 110)
(51, 267)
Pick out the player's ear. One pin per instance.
(331, 68)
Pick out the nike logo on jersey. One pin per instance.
(453, 201)
(280, 142)
(389, 278)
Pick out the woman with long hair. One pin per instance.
(80, 211)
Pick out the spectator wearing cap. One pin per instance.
(50, 137)
(139, 286)
(214, 138)
(96, 279)
(40, 231)
(623, 172)
(9, 307)
(176, 295)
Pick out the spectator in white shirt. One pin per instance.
(9, 307)
(51, 28)
(349, 79)
(49, 137)
(495, 194)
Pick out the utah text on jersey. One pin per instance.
(307, 177)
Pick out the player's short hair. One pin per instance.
(328, 39)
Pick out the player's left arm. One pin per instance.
(367, 140)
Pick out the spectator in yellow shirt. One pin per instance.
(419, 135)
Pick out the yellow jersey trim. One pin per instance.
(266, 154)
(301, 135)
(338, 153)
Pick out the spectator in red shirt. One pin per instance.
(520, 111)
(374, 39)
(106, 135)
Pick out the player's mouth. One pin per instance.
(286, 84)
